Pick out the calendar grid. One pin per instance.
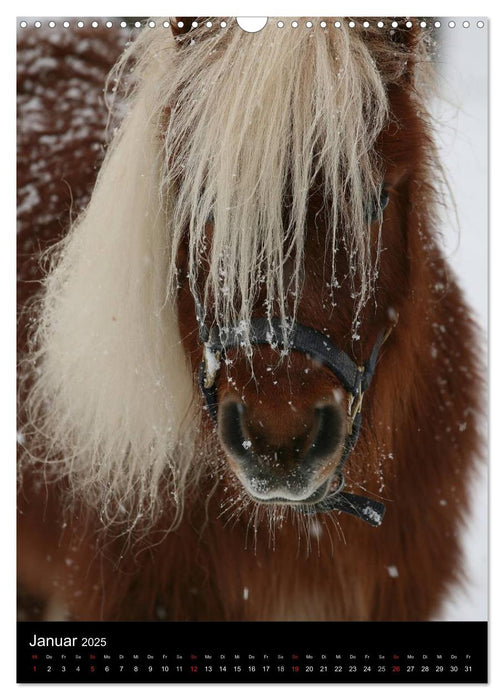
(237, 652)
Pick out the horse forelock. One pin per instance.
(248, 121)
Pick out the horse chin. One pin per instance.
(284, 499)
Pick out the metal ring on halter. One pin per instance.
(341, 485)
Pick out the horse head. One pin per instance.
(291, 265)
(250, 227)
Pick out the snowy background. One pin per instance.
(463, 138)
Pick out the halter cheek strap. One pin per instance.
(354, 378)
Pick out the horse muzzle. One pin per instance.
(292, 470)
(302, 486)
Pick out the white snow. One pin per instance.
(371, 514)
(338, 395)
(212, 363)
(392, 314)
(463, 151)
(393, 571)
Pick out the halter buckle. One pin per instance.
(355, 404)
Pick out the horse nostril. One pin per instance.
(231, 429)
(276, 460)
(319, 445)
(327, 434)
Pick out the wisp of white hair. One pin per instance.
(222, 126)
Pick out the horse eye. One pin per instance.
(378, 207)
(384, 199)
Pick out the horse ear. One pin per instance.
(182, 25)
(410, 42)
(406, 33)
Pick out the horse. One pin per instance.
(251, 387)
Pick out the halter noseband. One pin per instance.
(354, 378)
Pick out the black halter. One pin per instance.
(355, 379)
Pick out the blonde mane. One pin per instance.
(221, 125)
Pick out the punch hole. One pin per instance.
(351, 24)
(423, 24)
(38, 25)
(451, 24)
(280, 24)
(166, 24)
(323, 25)
(380, 24)
(309, 25)
(66, 24)
(395, 24)
(80, 24)
(124, 24)
(409, 25)
(437, 24)
(52, 24)
(108, 24)
(466, 24)
(223, 24)
(365, 24)
(152, 24)
(23, 24)
(194, 24)
(94, 24)
(252, 24)
(294, 24)
(337, 25)
(480, 24)
(137, 24)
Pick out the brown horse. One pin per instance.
(249, 343)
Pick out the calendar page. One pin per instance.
(252, 303)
